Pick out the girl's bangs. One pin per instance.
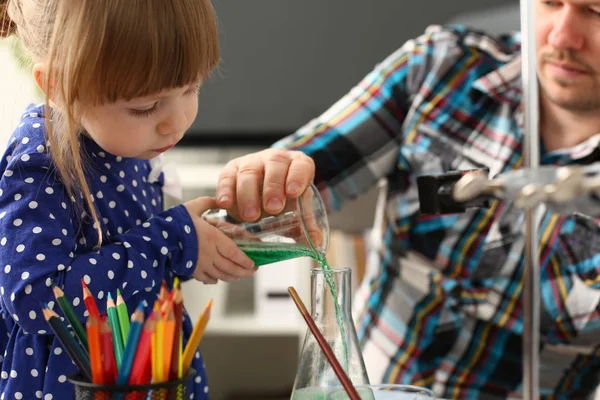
(147, 46)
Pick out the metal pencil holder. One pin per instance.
(172, 390)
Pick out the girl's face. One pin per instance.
(143, 127)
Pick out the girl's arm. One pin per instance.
(38, 245)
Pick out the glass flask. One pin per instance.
(385, 392)
(331, 311)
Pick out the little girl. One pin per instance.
(80, 192)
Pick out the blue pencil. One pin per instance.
(135, 329)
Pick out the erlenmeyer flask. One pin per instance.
(331, 310)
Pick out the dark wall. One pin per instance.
(285, 61)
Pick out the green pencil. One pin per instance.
(68, 343)
(70, 315)
(113, 321)
(123, 317)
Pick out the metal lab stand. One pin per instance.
(475, 184)
(531, 284)
(564, 189)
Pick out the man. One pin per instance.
(445, 309)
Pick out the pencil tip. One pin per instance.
(109, 296)
(119, 293)
(83, 283)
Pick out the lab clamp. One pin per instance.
(563, 189)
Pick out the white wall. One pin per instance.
(16, 92)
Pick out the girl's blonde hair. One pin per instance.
(100, 51)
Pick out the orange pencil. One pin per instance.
(156, 348)
(89, 301)
(196, 338)
(169, 336)
(176, 357)
(109, 364)
(93, 334)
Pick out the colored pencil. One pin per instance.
(109, 364)
(155, 347)
(68, 343)
(89, 301)
(123, 317)
(137, 322)
(113, 320)
(70, 315)
(167, 305)
(164, 292)
(168, 343)
(159, 330)
(174, 370)
(196, 338)
(93, 334)
(142, 363)
(128, 351)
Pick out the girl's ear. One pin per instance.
(40, 75)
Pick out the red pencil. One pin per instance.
(141, 371)
(89, 301)
(109, 365)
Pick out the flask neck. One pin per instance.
(325, 307)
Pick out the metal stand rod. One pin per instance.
(531, 286)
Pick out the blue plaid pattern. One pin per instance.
(444, 309)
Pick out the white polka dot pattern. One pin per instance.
(41, 242)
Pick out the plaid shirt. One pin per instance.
(444, 308)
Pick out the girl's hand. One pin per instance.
(218, 256)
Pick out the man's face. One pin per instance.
(568, 52)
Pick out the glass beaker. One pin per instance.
(385, 392)
(331, 311)
(300, 230)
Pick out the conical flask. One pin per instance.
(331, 309)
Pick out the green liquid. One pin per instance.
(263, 253)
(310, 394)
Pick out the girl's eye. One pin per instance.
(194, 90)
(144, 113)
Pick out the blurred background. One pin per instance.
(283, 63)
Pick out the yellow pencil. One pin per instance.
(155, 345)
(196, 338)
(159, 328)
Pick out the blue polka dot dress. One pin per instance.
(46, 236)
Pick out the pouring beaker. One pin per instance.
(301, 229)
